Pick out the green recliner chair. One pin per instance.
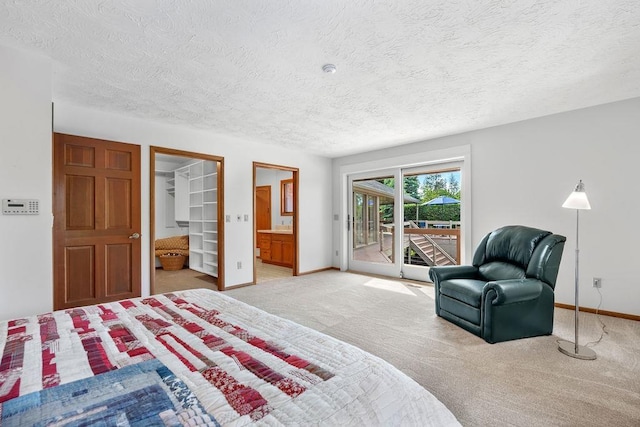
(508, 292)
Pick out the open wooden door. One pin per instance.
(263, 209)
(96, 229)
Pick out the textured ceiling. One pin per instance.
(408, 70)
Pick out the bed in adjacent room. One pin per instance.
(196, 357)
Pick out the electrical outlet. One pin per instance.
(239, 265)
(597, 282)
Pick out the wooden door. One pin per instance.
(96, 229)
(263, 209)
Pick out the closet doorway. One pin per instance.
(275, 212)
(187, 235)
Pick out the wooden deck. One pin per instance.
(372, 253)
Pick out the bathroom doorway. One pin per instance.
(275, 222)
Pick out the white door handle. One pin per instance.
(135, 236)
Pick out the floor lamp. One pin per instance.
(578, 201)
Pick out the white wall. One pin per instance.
(523, 172)
(315, 183)
(25, 172)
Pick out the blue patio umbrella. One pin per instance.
(442, 200)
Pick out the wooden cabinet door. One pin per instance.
(97, 222)
(276, 250)
(265, 246)
(287, 252)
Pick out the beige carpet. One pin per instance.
(179, 280)
(519, 383)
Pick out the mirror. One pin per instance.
(286, 197)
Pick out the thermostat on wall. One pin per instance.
(20, 207)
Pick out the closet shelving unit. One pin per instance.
(210, 217)
(203, 217)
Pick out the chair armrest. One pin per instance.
(438, 274)
(513, 290)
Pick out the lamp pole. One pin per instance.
(577, 200)
(577, 276)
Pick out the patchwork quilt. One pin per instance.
(196, 357)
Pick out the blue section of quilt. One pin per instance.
(144, 394)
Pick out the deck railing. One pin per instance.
(428, 233)
(448, 229)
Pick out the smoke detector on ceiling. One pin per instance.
(329, 68)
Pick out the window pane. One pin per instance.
(358, 219)
(373, 207)
(432, 218)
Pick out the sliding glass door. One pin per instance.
(403, 221)
(432, 226)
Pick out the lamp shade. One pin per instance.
(577, 199)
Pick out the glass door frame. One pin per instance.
(393, 165)
(386, 269)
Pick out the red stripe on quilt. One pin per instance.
(259, 369)
(17, 322)
(262, 371)
(151, 324)
(107, 314)
(211, 316)
(17, 330)
(176, 353)
(96, 354)
(127, 304)
(13, 360)
(127, 342)
(48, 337)
(152, 302)
(243, 399)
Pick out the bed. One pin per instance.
(196, 357)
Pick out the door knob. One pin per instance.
(135, 236)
